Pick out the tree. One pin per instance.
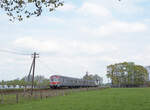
(127, 74)
(15, 82)
(44, 83)
(18, 9)
(39, 81)
(88, 76)
(98, 80)
(2, 83)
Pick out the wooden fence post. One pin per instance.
(29, 96)
(87, 88)
(62, 93)
(35, 95)
(24, 91)
(2, 99)
(17, 98)
(56, 93)
(41, 95)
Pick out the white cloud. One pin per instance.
(94, 9)
(116, 27)
(121, 27)
(54, 19)
(93, 48)
(64, 47)
(67, 7)
(30, 43)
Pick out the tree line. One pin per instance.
(127, 74)
(98, 80)
(40, 81)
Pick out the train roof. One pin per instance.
(64, 76)
(69, 77)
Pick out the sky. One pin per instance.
(83, 35)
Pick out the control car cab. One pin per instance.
(54, 81)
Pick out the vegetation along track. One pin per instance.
(14, 91)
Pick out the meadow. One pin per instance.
(108, 99)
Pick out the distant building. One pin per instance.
(148, 69)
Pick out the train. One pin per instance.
(57, 81)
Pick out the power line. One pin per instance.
(46, 66)
(23, 51)
(13, 52)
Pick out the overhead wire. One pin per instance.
(40, 71)
(16, 52)
(13, 52)
(22, 50)
(47, 67)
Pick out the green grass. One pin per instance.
(108, 99)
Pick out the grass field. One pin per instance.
(108, 99)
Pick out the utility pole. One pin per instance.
(32, 68)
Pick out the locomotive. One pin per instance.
(57, 81)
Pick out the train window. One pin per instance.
(55, 79)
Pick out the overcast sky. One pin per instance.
(83, 35)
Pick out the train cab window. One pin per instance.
(54, 79)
